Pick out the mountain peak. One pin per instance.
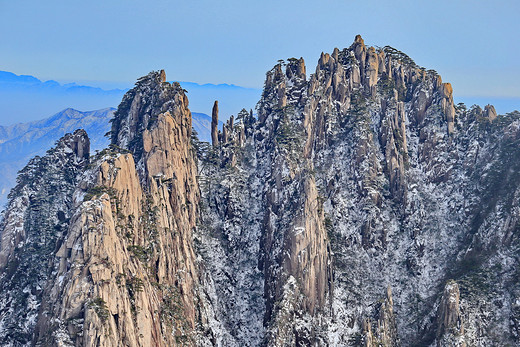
(142, 105)
(359, 40)
(163, 76)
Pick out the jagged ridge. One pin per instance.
(399, 173)
(358, 209)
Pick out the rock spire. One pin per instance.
(214, 125)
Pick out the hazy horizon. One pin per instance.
(27, 98)
(471, 45)
(46, 102)
(110, 44)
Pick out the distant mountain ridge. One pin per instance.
(27, 80)
(21, 142)
(25, 98)
(20, 135)
(6, 76)
(21, 95)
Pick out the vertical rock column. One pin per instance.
(296, 257)
(450, 330)
(383, 330)
(393, 140)
(214, 124)
(448, 108)
(490, 112)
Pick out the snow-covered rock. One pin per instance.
(361, 207)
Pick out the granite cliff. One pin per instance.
(361, 207)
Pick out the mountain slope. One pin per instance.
(43, 197)
(120, 263)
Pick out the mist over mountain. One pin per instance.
(25, 98)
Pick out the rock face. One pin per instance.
(360, 208)
(381, 330)
(490, 112)
(122, 270)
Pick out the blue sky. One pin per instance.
(472, 44)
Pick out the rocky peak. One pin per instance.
(359, 48)
(296, 68)
(152, 103)
(163, 76)
(141, 106)
(397, 124)
(490, 112)
(78, 142)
